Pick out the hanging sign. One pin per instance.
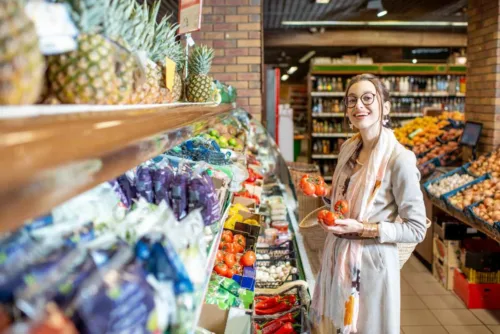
(189, 16)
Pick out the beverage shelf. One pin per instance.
(394, 94)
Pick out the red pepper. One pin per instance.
(271, 302)
(292, 299)
(286, 329)
(261, 298)
(282, 307)
(289, 317)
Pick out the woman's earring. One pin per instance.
(351, 126)
(385, 121)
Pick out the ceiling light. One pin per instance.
(292, 70)
(376, 23)
(284, 77)
(383, 12)
(414, 61)
(323, 1)
(307, 56)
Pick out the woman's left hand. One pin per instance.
(344, 226)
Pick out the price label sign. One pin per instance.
(189, 16)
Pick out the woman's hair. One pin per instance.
(382, 92)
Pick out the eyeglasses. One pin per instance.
(366, 99)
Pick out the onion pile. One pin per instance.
(485, 164)
(475, 193)
(489, 210)
(449, 183)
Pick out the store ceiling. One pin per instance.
(277, 11)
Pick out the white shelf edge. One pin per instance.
(325, 156)
(208, 269)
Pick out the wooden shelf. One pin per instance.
(333, 135)
(328, 114)
(53, 153)
(388, 69)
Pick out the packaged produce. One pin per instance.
(179, 195)
(162, 178)
(144, 183)
(202, 195)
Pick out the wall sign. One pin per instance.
(189, 16)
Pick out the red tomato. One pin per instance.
(307, 186)
(237, 268)
(238, 248)
(230, 273)
(248, 259)
(221, 245)
(322, 214)
(228, 248)
(227, 236)
(341, 207)
(240, 239)
(220, 256)
(221, 269)
(330, 218)
(320, 190)
(229, 260)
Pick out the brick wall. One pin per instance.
(234, 29)
(483, 72)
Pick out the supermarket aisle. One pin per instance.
(428, 308)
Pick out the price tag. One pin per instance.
(54, 27)
(189, 15)
(169, 73)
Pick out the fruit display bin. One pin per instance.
(458, 213)
(296, 288)
(251, 241)
(439, 201)
(299, 314)
(426, 168)
(495, 227)
(474, 174)
(284, 249)
(479, 277)
(277, 262)
(449, 158)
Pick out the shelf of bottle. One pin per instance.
(333, 135)
(325, 156)
(393, 115)
(395, 94)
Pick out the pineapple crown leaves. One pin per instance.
(165, 43)
(139, 30)
(200, 60)
(88, 15)
(117, 23)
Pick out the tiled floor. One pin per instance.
(428, 308)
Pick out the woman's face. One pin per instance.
(363, 105)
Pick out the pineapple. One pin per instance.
(22, 65)
(86, 75)
(165, 45)
(200, 84)
(143, 19)
(117, 25)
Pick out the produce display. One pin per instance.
(120, 57)
(449, 183)
(313, 185)
(487, 164)
(474, 193)
(489, 209)
(438, 150)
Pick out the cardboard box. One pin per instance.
(247, 202)
(253, 230)
(486, 296)
(443, 273)
(450, 230)
(448, 251)
(232, 321)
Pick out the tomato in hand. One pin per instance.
(341, 207)
(221, 269)
(239, 239)
(320, 190)
(307, 186)
(330, 218)
(248, 259)
(229, 260)
(322, 215)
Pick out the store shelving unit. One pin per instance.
(334, 116)
(53, 153)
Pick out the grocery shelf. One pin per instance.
(202, 291)
(406, 115)
(327, 178)
(327, 114)
(325, 156)
(395, 94)
(333, 135)
(52, 153)
(493, 234)
(388, 69)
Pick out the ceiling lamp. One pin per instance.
(323, 1)
(307, 56)
(381, 13)
(377, 5)
(284, 77)
(375, 23)
(292, 70)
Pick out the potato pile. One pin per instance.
(489, 210)
(475, 193)
(449, 183)
(438, 150)
(485, 164)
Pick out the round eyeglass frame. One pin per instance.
(346, 102)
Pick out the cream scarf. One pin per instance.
(336, 295)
